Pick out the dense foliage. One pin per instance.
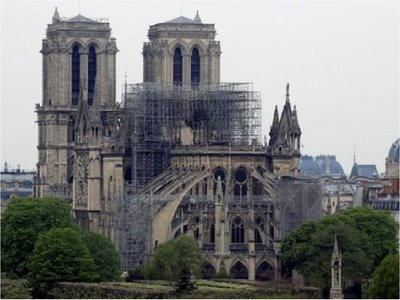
(172, 257)
(106, 258)
(207, 289)
(15, 289)
(21, 224)
(60, 255)
(365, 237)
(385, 281)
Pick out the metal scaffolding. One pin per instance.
(134, 218)
(158, 116)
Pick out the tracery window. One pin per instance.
(237, 230)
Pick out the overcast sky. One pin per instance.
(341, 59)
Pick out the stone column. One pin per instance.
(84, 72)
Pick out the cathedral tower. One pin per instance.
(284, 143)
(182, 51)
(78, 114)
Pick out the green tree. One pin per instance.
(106, 257)
(173, 257)
(365, 236)
(21, 224)
(385, 281)
(60, 255)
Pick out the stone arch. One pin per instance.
(239, 270)
(265, 271)
(208, 270)
(163, 217)
(267, 181)
(76, 42)
(199, 45)
(95, 44)
(182, 45)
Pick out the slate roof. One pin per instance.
(308, 167)
(368, 171)
(80, 18)
(329, 165)
(394, 151)
(182, 20)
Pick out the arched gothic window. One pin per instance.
(237, 232)
(177, 70)
(239, 271)
(212, 233)
(75, 75)
(92, 65)
(195, 67)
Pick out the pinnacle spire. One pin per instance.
(295, 122)
(273, 133)
(287, 92)
(197, 17)
(336, 247)
(56, 16)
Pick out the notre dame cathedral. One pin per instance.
(181, 154)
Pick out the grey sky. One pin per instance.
(341, 59)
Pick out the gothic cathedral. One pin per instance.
(182, 154)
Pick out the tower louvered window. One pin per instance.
(195, 67)
(75, 75)
(177, 75)
(91, 74)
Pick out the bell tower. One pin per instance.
(75, 51)
(183, 52)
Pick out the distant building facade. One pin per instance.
(16, 183)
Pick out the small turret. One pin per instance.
(56, 17)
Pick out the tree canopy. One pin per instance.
(60, 255)
(385, 281)
(22, 222)
(106, 258)
(174, 258)
(365, 237)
